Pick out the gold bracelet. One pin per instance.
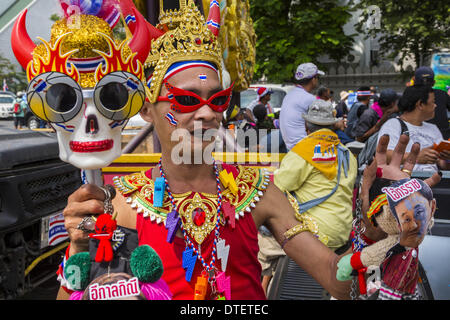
(295, 230)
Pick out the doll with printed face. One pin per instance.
(403, 210)
(397, 212)
(412, 207)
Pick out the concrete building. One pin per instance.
(364, 65)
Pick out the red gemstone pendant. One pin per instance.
(199, 217)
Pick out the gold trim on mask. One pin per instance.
(93, 38)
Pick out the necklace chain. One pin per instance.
(190, 244)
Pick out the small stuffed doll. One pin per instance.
(104, 230)
(144, 284)
(404, 211)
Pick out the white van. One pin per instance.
(7, 100)
(276, 99)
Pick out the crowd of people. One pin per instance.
(371, 115)
(314, 127)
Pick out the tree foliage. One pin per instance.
(297, 31)
(414, 28)
(16, 80)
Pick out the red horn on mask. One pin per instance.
(140, 43)
(213, 20)
(21, 43)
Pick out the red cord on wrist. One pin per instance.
(355, 261)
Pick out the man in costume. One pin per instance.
(320, 173)
(201, 219)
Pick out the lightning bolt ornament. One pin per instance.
(188, 263)
(228, 181)
(224, 284)
(222, 253)
(172, 225)
(229, 213)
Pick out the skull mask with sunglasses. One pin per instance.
(84, 82)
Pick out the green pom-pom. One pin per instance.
(77, 270)
(344, 268)
(145, 264)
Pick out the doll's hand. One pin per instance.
(392, 170)
(344, 268)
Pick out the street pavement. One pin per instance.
(6, 123)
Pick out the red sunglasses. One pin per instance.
(184, 101)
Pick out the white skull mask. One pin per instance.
(88, 122)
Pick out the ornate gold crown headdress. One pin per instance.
(187, 37)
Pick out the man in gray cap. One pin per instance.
(320, 172)
(374, 117)
(296, 103)
(425, 76)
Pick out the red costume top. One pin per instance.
(243, 266)
(401, 271)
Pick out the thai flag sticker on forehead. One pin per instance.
(202, 76)
(183, 65)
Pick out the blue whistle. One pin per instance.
(158, 192)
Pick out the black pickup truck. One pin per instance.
(34, 186)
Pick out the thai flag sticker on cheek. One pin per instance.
(170, 117)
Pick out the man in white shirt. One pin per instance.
(417, 106)
(296, 103)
